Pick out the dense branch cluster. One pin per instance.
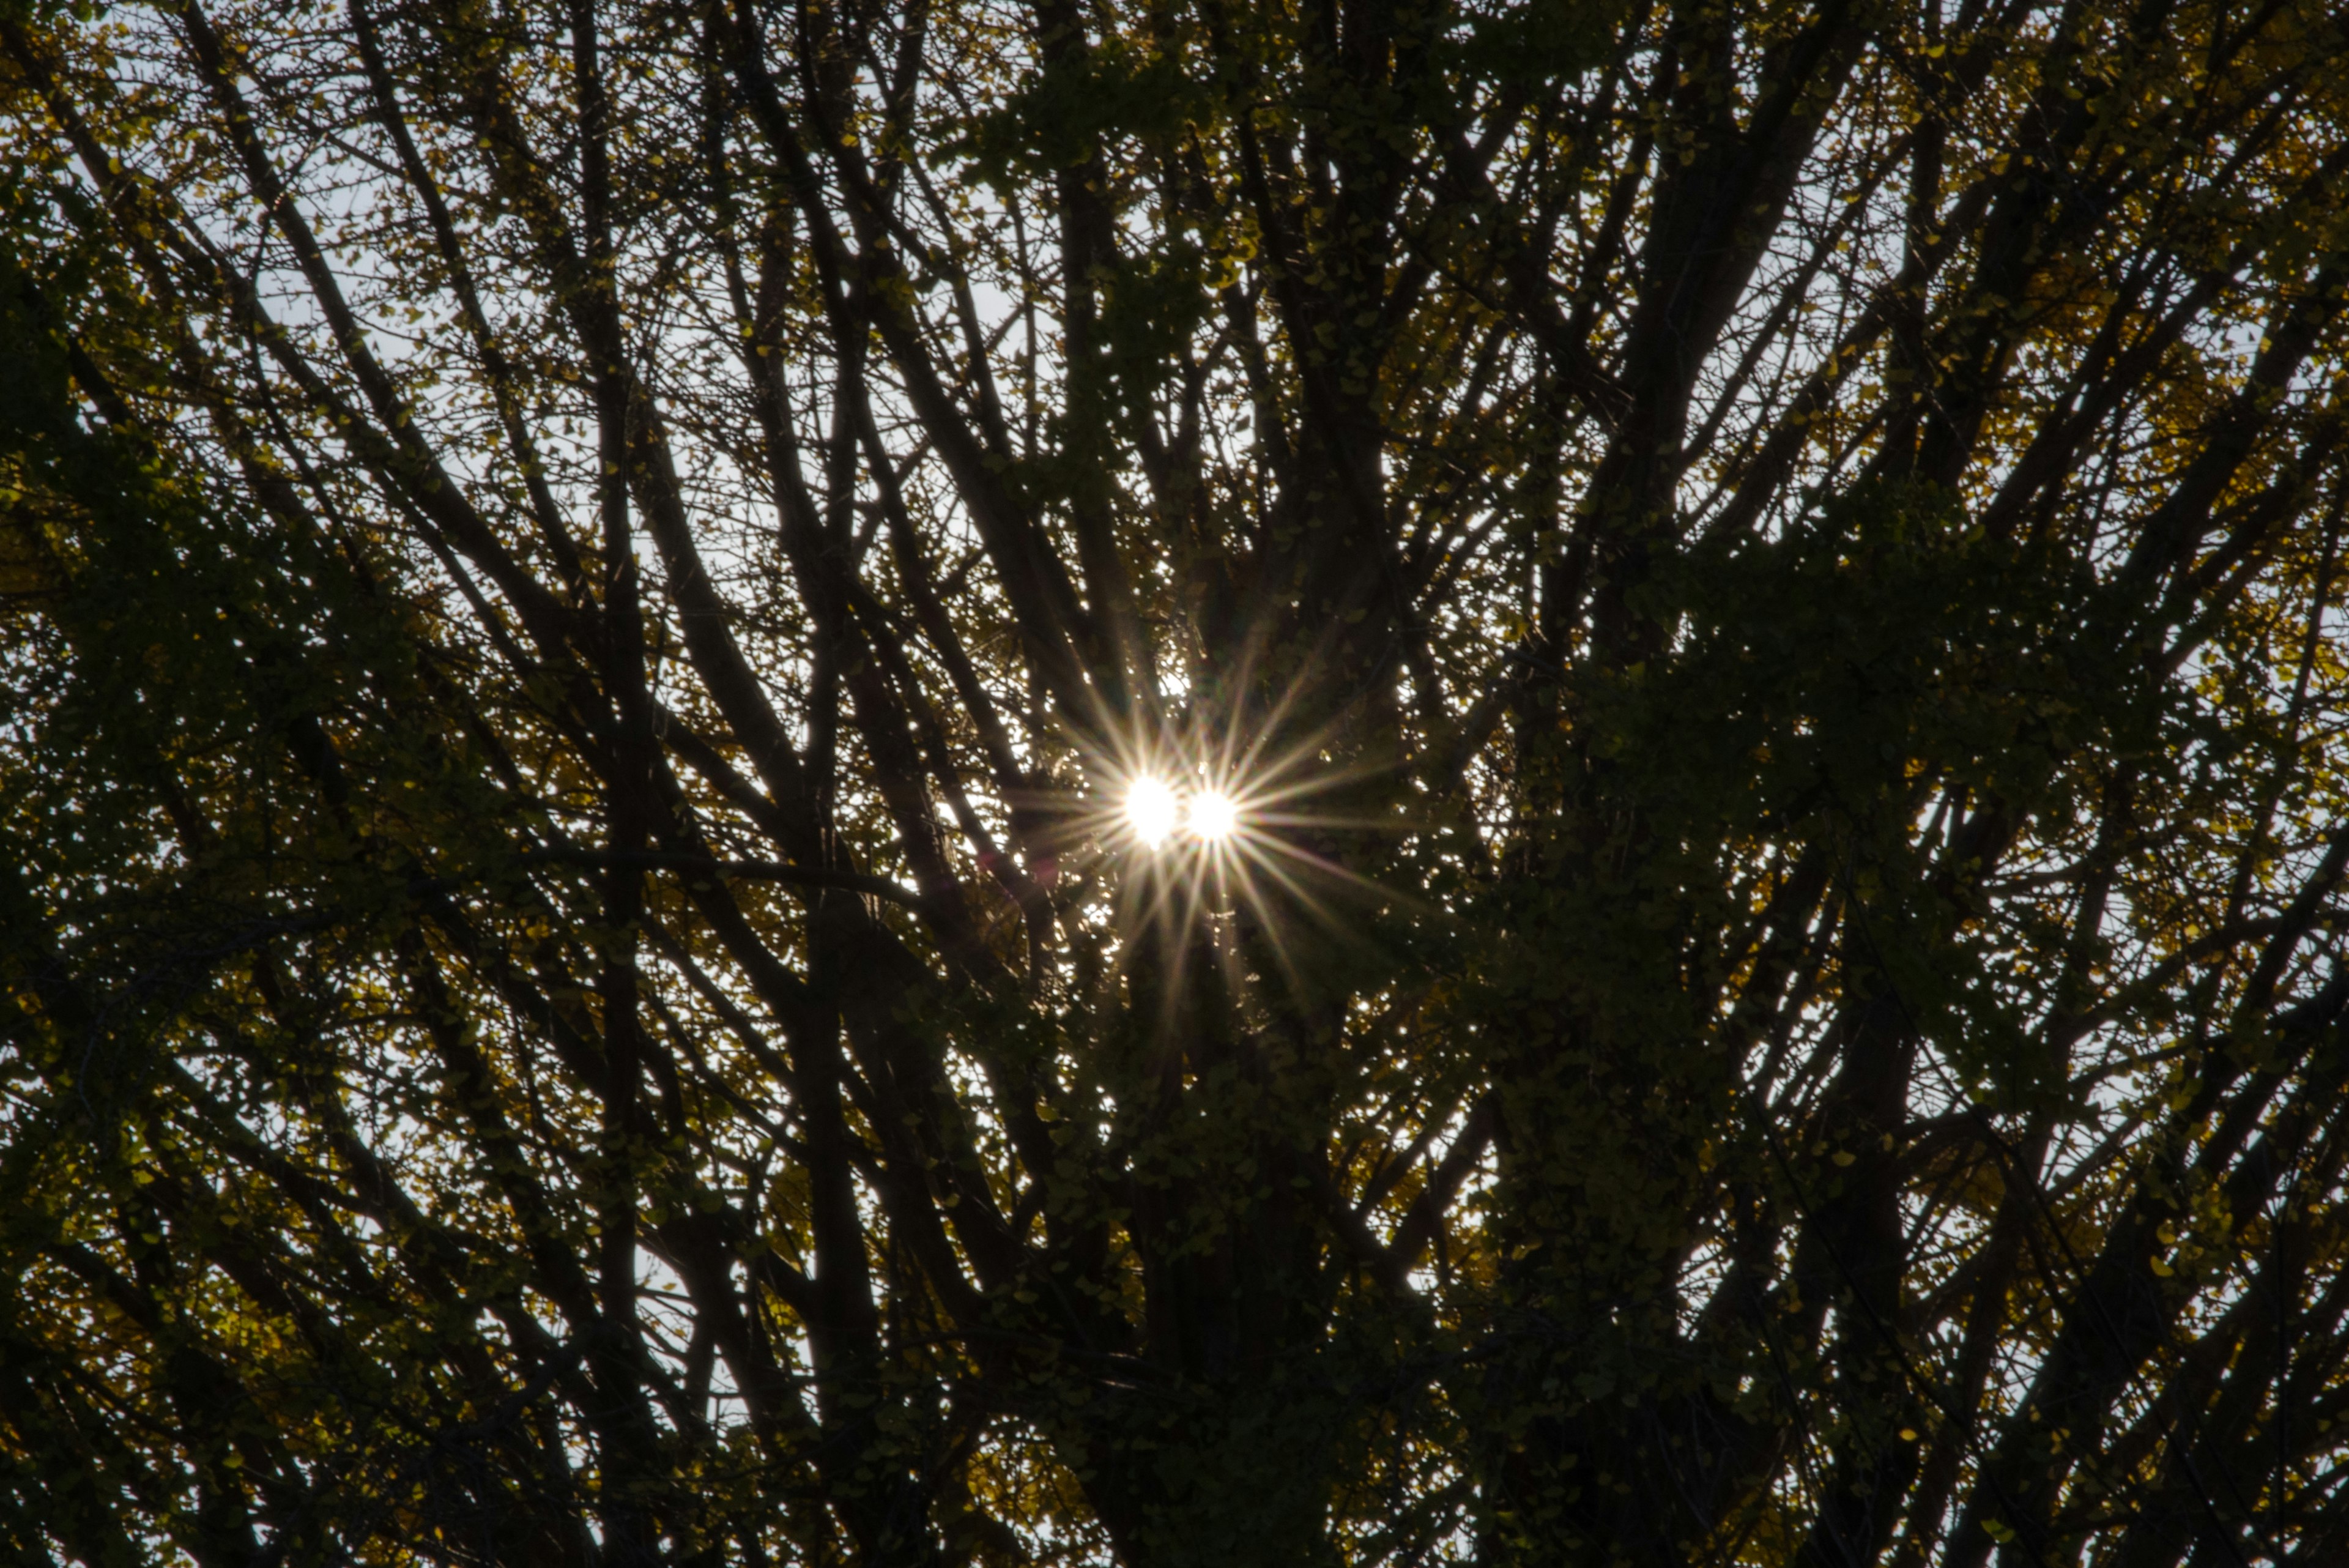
(586, 586)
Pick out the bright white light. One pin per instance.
(1213, 814)
(1153, 811)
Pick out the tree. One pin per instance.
(1175, 784)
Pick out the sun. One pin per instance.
(1156, 811)
(1197, 831)
(1213, 816)
(1153, 810)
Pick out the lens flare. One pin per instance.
(1213, 815)
(1153, 811)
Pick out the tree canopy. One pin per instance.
(1206, 782)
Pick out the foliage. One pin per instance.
(585, 589)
